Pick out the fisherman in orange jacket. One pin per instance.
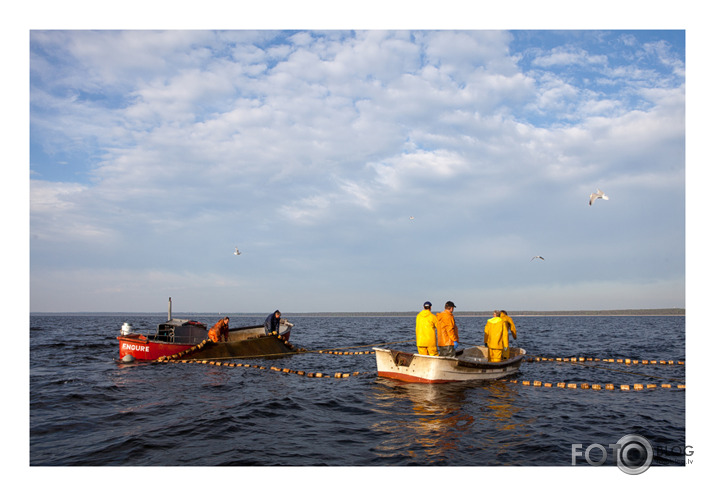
(425, 325)
(447, 332)
(510, 327)
(219, 331)
(494, 333)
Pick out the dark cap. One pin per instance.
(427, 304)
(450, 304)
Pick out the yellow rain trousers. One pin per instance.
(494, 333)
(425, 326)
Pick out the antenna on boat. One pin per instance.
(169, 317)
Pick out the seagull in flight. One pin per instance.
(595, 196)
(237, 252)
(537, 256)
(412, 217)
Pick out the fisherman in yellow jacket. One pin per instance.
(447, 332)
(510, 327)
(425, 326)
(494, 333)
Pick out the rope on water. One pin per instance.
(589, 363)
(583, 363)
(176, 358)
(650, 376)
(294, 351)
(337, 351)
(598, 387)
(626, 361)
(336, 375)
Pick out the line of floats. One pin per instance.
(343, 375)
(626, 361)
(184, 341)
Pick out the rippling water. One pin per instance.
(88, 409)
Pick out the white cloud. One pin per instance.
(53, 197)
(326, 142)
(565, 56)
(61, 216)
(419, 166)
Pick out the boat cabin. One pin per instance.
(181, 331)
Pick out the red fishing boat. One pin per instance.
(190, 339)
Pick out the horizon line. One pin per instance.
(464, 313)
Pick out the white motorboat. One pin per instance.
(471, 364)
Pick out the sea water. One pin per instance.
(88, 409)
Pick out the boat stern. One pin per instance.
(409, 367)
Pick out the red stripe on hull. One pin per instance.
(411, 378)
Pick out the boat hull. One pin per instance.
(471, 365)
(141, 348)
(243, 342)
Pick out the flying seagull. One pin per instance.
(537, 256)
(412, 217)
(595, 196)
(237, 252)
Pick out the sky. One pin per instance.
(356, 170)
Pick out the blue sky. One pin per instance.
(356, 170)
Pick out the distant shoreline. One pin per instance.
(653, 312)
(671, 312)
